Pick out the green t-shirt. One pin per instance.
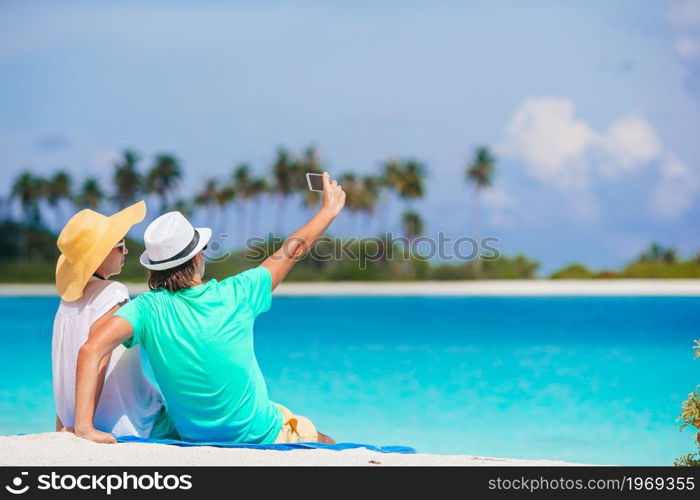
(200, 344)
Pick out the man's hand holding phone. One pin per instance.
(299, 242)
(333, 196)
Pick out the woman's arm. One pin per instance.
(301, 241)
(102, 371)
(100, 343)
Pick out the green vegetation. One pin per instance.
(376, 259)
(28, 244)
(573, 272)
(656, 261)
(690, 415)
(28, 250)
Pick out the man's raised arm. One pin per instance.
(301, 241)
(102, 342)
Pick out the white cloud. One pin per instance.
(555, 144)
(677, 189)
(545, 133)
(631, 142)
(684, 20)
(558, 149)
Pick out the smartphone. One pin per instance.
(315, 181)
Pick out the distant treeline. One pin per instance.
(28, 244)
(240, 192)
(358, 262)
(39, 265)
(28, 250)
(656, 261)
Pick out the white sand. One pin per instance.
(641, 287)
(63, 448)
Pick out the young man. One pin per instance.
(199, 336)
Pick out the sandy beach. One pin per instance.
(629, 287)
(65, 449)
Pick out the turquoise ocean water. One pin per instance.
(597, 380)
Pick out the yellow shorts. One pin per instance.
(295, 428)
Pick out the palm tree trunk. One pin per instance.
(216, 217)
(368, 221)
(387, 210)
(477, 232)
(254, 213)
(223, 228)
(280, 215)
(241, 224)
(57, 217)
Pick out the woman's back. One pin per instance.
(129, 403)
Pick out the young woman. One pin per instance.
(92, 250)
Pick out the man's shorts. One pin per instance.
(296, 428)
(164, 427)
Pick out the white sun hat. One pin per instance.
(171, 240)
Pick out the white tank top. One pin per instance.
(129, 402)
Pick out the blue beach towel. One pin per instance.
(278, 446)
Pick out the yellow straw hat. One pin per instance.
(85, 243)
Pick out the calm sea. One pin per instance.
(597, 380)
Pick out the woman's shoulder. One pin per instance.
(97, 290)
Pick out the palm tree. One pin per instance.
(410, 186)
(311, 163)
(391, 180)
(225, 196)
(258, 188)
(412, 224)
(216, 199)
(163, 178)
(208, 197)
(658, 253)
(127, 180)
(58, 188)
(91, 194)
(30, 189)
(353, 189)
(480, 173)
(4, 208)
(184, 207)
(310, 199)
(405, 178)
(370, 188)
(283, 171)
(243, 185)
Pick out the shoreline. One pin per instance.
(65, 449)
(475, 288)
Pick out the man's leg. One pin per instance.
(297, 428)
(322, 438)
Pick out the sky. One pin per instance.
(592, 108)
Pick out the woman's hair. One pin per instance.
(174, 279)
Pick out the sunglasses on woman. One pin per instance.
(121, 246)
